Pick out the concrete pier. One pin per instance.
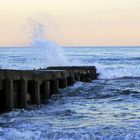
(63, 83)
(45, 91)
(54, 86)
(22, 88)
(22, 94)
(9, 95)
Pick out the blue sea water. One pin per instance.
(104, 109)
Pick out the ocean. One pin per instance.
(105, 109)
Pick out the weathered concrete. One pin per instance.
(45, 91)
(54, 86)
(9, 94)
(71, 80)
(88, 71)
(63, 83)
(21, 88)
(23, 93)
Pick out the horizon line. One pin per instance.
(70, 46)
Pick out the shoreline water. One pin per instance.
(104, 109)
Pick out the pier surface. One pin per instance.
(22, 88)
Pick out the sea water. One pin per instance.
(104, 109)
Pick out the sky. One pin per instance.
(72, 22)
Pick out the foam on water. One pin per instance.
(110, 62)
(102, 109)
(49, 53)
(117, 71)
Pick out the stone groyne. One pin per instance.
(23, 88)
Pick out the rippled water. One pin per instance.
(104, 109)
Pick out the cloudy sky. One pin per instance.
(72, 22)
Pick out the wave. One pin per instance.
(50, 53)
(117, 71)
